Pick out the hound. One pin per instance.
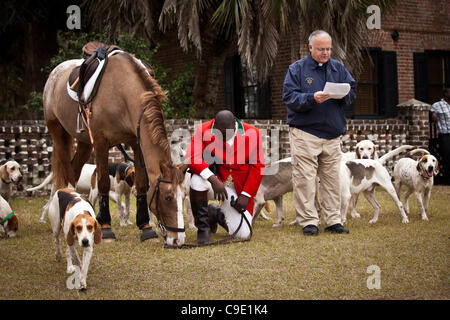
(8, 220)
(9, 172)
(363, 175)
(418, 176)
(83, 186)
(122, 179)
(76, 218)
(366, 150)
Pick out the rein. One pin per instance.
(228, 239)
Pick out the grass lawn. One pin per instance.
(278, 263)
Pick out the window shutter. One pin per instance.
(420, 77)
(388, 84)
(264, 99)
(232, 85)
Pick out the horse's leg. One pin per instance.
(63, 174)
(101, 148)
(81, 156)
(142, 215)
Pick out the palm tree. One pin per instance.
(256, 25)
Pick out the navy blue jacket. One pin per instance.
(303, 78)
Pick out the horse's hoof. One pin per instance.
(108, 235)
(148, 233)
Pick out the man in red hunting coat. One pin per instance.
(223, 151)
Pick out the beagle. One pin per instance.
(8, 220)
(122, 179)
(9, 172)
(418, 176)
(69, 212)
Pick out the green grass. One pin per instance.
(278, 263)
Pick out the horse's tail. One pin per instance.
(61, 157)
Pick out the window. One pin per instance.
(377, 91)
(431, 74)
(245, 96)
(366, 93)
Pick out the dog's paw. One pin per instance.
(276, 225)
(405, 220)
(424, 218)
(70, 269)
(373, 221)
(356, 215)
(192, 226)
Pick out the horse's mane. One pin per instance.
(152, 101)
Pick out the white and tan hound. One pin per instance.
(10, 173)
(418, 176)
(363, 175)
(8, 220)
(69, 212)
(122, 179)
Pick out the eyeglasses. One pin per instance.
(323, 49)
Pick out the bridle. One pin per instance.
(156, 192)
(164, 227)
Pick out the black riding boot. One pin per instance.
(104, 217)
(216, 216)
(199, 204)
(143, 218)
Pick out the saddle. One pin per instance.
(93, 53)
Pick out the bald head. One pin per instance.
(224, 122)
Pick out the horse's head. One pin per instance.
(166, 196)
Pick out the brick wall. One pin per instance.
(29, 143)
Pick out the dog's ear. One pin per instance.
(419, 163)
(358, 155)
(436, 168)
(97, 233)
(4, 173)
(13, 223)
(71, 235)
(375, 153)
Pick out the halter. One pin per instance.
(161, 223)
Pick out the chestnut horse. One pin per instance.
(126, 90)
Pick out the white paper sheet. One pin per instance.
(336, 90)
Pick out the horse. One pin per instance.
(127, 95)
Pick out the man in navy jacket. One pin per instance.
(316, 124)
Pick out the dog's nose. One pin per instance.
(365, 157)
(85, 243)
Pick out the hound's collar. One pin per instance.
(6, 219)
(6, 182)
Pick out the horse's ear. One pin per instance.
(183, 167)
(163, 167)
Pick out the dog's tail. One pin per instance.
(418, 150)
(267, 207)
(43, 184)
(393, 153)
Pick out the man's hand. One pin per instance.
(240, 204)
(220, 193)
(321, 96)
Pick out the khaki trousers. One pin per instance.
(313, 156)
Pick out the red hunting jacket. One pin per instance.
(244, 161)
